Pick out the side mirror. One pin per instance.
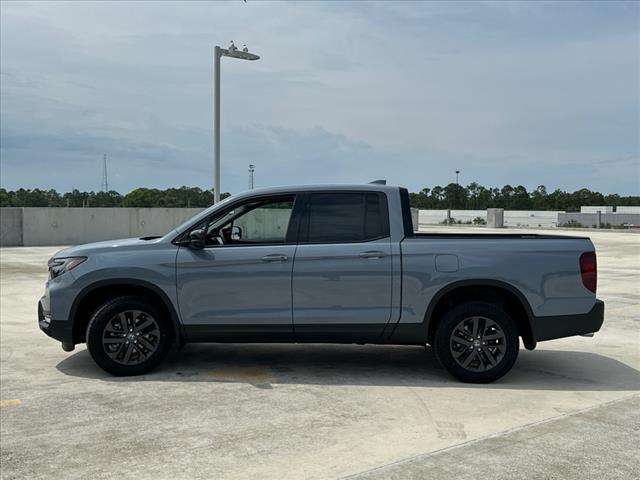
(236, 233)
(197, 239)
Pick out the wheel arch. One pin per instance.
(507, 296)
(97, 293)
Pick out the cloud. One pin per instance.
(507, 92)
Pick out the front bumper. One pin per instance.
(549, 328)
(58, 329)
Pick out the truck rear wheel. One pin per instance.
(476, 342)
(128, 335)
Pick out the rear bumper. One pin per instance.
(549, 328)
(58, 329)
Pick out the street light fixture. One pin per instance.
(218, 53)
(252, 168)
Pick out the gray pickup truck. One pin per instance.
(338, 264)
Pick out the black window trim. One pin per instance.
(303, 228)
(407, 220)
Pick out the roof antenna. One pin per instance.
(378, 182)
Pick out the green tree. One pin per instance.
(521, 199)
(539, 197)
(455, 196)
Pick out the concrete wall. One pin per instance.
(512, 218)
(536, 218)
(73, 226)
(495, 217)
(10, 226)
(531, 218)
(627, 209)
(591, 219)
(264, 223)
(415, 219)
(430, 217)
(596, 208)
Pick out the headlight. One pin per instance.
(57, 266)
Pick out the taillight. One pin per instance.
(589, 270)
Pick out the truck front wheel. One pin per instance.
(476, 342)
(128, 335)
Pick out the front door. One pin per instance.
(342, 273)
(239, 286)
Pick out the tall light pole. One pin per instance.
(455, 194)
(218, 53)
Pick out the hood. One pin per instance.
(106, 246)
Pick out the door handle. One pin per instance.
(275, 258)
(372, 254)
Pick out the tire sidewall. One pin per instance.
(104, 314)
(453, 317)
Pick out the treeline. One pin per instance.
(471, 197)
(140, 197)
(477, 197)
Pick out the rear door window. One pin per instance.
(346, 217)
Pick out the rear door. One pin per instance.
(342, 273)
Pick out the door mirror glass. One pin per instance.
(196, 239)
(236, 233)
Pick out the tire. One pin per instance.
(128, 335)
(469, 358)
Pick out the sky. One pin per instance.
(508, 93)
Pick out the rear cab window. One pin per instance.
(345, 217)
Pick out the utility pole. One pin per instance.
(218, 53)
(105, 182)
(252, 168)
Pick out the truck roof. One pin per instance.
(307, 188)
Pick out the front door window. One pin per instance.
(258, 222)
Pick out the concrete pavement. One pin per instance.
(598, 443)
(298, 411)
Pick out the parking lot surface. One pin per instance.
(321, 411)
